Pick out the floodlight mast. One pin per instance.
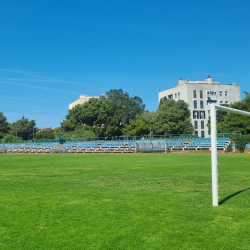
(214, 161)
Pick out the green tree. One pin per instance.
(124, 109)
(95, 113)
(162, 100)
(23, 128)
(1, 135)
(45, 133)
(240, 141)
(140, 125)
(172, 117)
(82, 133)
(220, 115)
(58, 130)
(11, 138)
(107, 115)
(4, 125)
(234, 122)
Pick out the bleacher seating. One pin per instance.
(114, 146)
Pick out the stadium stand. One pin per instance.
(121, 146)
(2, 149)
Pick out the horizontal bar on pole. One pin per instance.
(231, 110)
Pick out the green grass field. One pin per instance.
(123, 202)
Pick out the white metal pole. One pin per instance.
(214, 156)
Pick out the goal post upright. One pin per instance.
(214, 160)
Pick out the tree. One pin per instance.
(105, 116)
(240, 141)
(124, 109)
(4, 125)
(1, 135)
(95, 113)
(82, 133)
(11, 138)
(58, 130)
(172, 117)
(220, 115)
(235, 122)
(45, 133)
(162, 100)
(140, 125)
(23, 128)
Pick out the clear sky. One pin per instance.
(52, 50)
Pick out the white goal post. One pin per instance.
(214, 161)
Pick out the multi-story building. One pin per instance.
(198, 94)
(81, 100)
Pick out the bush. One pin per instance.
(12, 138)
(45, 133)
(81, 133)
(241, 141)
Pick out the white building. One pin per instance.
(81, 100)
(198, 94)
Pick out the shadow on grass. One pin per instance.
(232, 195)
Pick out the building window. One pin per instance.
(211, 92)
(221, 102)
(170, 96)
(195, 104)
(202, 124)
(201, 105)
(175, 96)
(202, 114)
(220, 93)
(195, 115)
(194, 94)
(226, 102)
(226, 93)
(201, 94)
(208, 112)
(196, 124)
(196, 133)
(202, 133)
(179, 95)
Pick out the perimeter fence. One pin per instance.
(114, 138)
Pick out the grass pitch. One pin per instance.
(123, 202)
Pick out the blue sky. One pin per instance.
(50, 51)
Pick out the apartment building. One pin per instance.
(198, 95)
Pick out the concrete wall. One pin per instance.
(81, 100)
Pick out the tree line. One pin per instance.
(22, 129)
(118, 114)
(115, 114)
